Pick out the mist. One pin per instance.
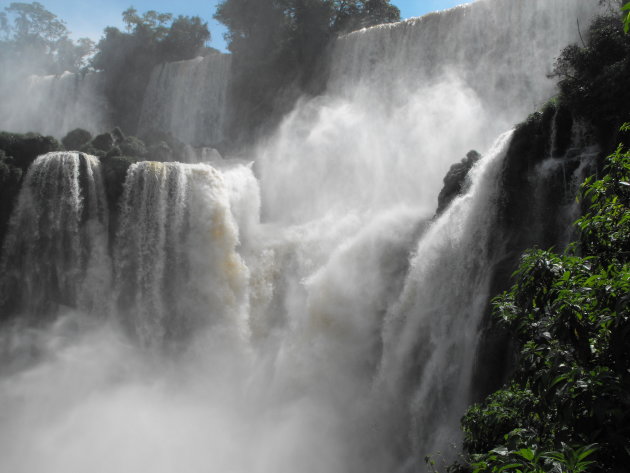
(299, 309)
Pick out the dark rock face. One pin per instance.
(455, 182)
(536, 191)
(17, 152)
(10, 179)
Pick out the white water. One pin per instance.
(55, 250)
(54, 105)
(175, 255)
(407, 100)
(501, 49)
(336, 336)
(189, 100)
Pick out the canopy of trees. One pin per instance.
(128, 57)
(278, 47)
(36, 41)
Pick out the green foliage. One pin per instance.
(76, 138)
(486, 425)
(354, 14)
(132, 146)
(593, 77)
(278, 46)
(184, 38)
(570, 314)
(607, 234)
(36, 41)
(104, 142)
(24, 148)
(531, 460)
(626, 18)
(127, 58)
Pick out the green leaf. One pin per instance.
(527, 453)
(511, 465)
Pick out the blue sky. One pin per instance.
(90, 17)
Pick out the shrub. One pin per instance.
(76, 138)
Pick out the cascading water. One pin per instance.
(54, 105)
(339, 335)
(556, 181)
(189, 100)
(176, 262)
(55, 252)
(503, 50)
(430, 333)
(407, 99)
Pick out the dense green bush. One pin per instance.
(104, 142)
(132, 146)
(594, 76)
(24, 148)
(570, 314)
(76, 138)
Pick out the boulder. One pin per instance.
(455, 182)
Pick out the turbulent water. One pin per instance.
(54, 105)
(189, 99)
(166, 288)
(306, 312)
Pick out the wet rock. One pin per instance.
(455, 182)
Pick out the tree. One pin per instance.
(593, 78)
(127, 58)
(36, 41)
(184, 38)
(278, 47)
(354, 14)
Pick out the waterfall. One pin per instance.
(504, 50)
(430, 334)
(188, 99)
(403, 103)
(307, 311)
(176, 263)
(406, 100)
(54, 105)
(55, 251)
